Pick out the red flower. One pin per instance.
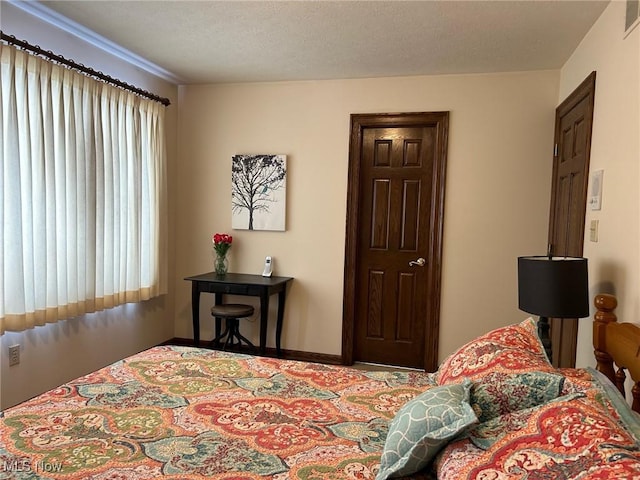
(222, 243)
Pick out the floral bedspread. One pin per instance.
(584, 431)
(187, 413)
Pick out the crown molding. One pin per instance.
(52, 17)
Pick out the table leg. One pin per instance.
(218, 321)
(195, 312)
(264, 318)
(282, 296)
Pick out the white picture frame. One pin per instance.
(258, 192)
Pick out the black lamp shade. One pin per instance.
(553, 287)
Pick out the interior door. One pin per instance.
(574, 118)
(394, 238)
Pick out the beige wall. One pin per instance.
(614, 260)
(497, 197)
(53, 354)
(497, 191)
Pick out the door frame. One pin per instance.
(564, 333)
(390, 120)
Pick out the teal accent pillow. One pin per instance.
(423, 426)
(499, 393)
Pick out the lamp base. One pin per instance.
(543, 333)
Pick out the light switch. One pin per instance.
(595, 199)
(593, 231)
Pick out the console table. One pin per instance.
(240, 284)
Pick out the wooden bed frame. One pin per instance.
(616, 347)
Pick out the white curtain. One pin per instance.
(82, 194)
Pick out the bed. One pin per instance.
(495, 409)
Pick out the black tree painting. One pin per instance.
(258, 183)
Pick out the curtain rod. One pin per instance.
(11, 40)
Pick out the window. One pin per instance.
(82, 193)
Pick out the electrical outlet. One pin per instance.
(14, 355)
(593, 230)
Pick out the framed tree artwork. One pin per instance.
(258, 191)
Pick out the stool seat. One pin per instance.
(231, 312)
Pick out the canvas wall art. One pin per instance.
(258, 192)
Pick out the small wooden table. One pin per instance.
(240, 284)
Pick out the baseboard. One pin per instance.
(271, 352)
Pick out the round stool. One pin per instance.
(231, 313)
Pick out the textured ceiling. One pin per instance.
(240, 41)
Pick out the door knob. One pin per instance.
(419, 262)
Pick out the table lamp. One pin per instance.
(553, 287)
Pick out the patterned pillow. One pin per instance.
(572, 437)
(511, 349)
(423, 426)
(486, 434)
(499, 393)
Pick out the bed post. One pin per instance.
(605, 305)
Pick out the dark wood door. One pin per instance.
(394, 231)
(574, 118)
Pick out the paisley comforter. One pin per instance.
(186, 413)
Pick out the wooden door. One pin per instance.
(394, 238)
(574, 118)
